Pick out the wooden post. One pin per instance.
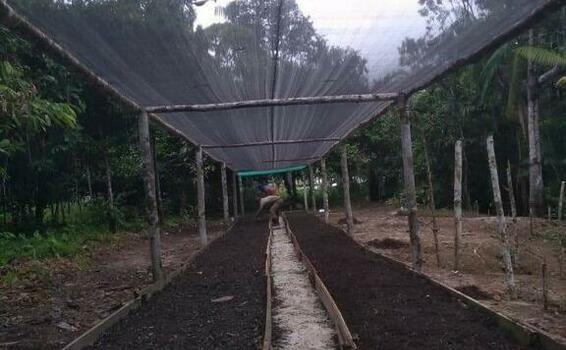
(549, 213)
(305, 193)
(561, 200)
(312, 193)
(200, 199)
(457, 201)
(151, 201)
(234, 193)
(346, 188)
(432, 202)
(501, 225)
(325, 190)
(409, 182)
(241, 185)
(511, 191)
(544, 285)
(225, 193)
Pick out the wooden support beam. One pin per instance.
(201, 198)
(501, 224)
(151, 201)
(457, 202)
(409, 183)
(269, 143)
(305, 193)
(293, 101)
(234, 194)
(346, 188)
(291, 160)
(510, 190)
(225, 193)
(325, 190)
(312, 192)
(241, 185)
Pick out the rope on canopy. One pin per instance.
(314, 100)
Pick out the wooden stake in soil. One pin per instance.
(432, 202)
(234, 194)
(501, 225)
(200, 199)
(305, 194)
(346, 188)
(225, 193)
(312, 193)
(457, 201)
(549, 213)
(241, 185)
(510, 190)
(409, 182)
(151, 201)
(561, 200)
(544, 285)
(325, 190)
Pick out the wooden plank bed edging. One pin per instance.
(267, 334)
(345, 338)
(91, 336)
(524, 334)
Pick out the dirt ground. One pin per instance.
(481, 271)
(56, 300)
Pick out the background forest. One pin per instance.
(69, 162)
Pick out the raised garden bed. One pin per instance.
(388, 307)
(217, 303)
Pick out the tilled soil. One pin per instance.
(386, 306)
(218, 303)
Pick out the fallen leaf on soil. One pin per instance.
(222, 299)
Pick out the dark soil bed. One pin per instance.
(218, 303)
(474, 292)
(386, 306)
(388, 243)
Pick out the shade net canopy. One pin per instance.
(165, 52)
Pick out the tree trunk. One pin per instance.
(241, 185)
(501, 225)
(89, 182)
(234, 194)
(225, 206)
(325, 190)
(561, 200)
(109, 192)
(510, 190)
(432, 201)
(409, 181)
(457, 202)
(201, 199)
(312, 192)
(536, 186)
(346, 188)
(151, 201)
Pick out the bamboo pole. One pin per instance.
(501, 225)
(457, 202)
(409, 182)
(432, 202)
(225, 205)
(151, 201)
(314, 100)
(201, 198)
(241, 186)
(305, 194)
(510, 190)
(234, 194)
(346, 188)
(325, 190)
(312, 192)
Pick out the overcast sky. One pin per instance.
(375, 28)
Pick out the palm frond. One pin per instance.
(490, 69)
(542, 56)
(561, 83)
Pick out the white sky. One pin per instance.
(375, 28)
